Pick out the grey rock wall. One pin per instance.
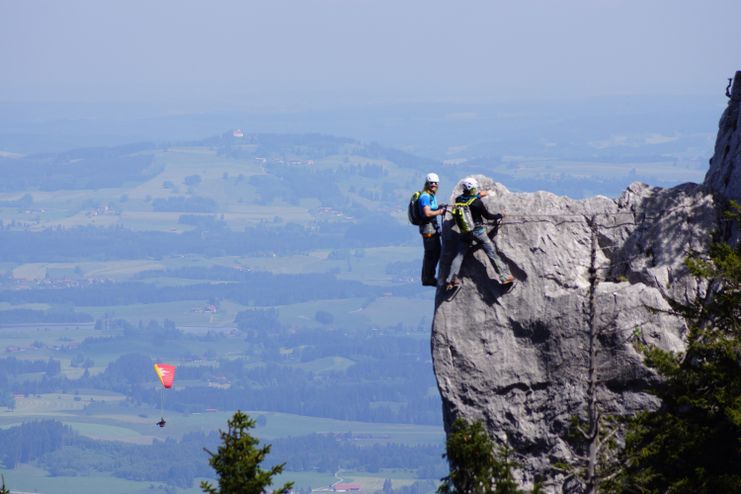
(724, 175)
(518, 360)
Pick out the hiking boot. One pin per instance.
(507, 280)
(430, 282)
(453, 284)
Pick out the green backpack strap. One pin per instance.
(463, 217)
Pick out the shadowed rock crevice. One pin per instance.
(537, 332)
(520, 360)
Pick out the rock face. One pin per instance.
(724, 175)
(595, 278)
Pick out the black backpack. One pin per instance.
(413, 209)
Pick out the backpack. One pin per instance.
(413, 209)
(462, 215)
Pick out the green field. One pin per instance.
(225, 179)
(207, 336)
(137, 426)
(35, 480)
(31, 479)
(134, 424)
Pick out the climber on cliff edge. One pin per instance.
(429, 228)
(469, 213)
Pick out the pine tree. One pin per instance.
(237, 461)
(691, 443)
(475, 466)
(3, 489)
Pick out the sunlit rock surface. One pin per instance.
(519, 360)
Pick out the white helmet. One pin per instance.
(469, 183)
(432, 177)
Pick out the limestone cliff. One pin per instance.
(595, 278)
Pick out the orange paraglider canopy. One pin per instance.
(166, 373)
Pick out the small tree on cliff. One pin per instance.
(592, 431)
(237, 462)
(691, 443)
(475, 466)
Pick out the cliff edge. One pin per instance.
(595, 281)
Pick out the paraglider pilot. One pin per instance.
(166, 373)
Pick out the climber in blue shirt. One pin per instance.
(429, 228)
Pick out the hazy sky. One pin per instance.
(274, 51)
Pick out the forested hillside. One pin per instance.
(275, 271)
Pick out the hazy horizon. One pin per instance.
(283, 55)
